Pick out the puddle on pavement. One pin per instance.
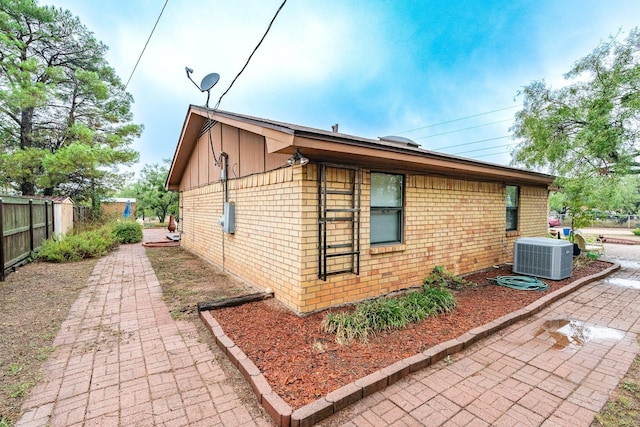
(571, 335)
(627, 283)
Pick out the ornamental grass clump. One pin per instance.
(386, 314)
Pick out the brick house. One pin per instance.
(324, 218)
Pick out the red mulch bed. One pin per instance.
(302, 363)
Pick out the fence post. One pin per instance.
(46, 219)
(1, 241)
(31, 244)
(53, 221)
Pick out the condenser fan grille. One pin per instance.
(543, 257)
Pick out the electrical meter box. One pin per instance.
(228, 220)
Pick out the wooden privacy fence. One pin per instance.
(82, 214)
(24, 225)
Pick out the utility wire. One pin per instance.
(488, 155)
(250, 56)
(463, 129)
(145, 45)
(482, 149)
(469, 143)
(459, 119)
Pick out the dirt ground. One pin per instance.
(34, 302)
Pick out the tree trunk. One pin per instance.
(27, 189)
(26, 127)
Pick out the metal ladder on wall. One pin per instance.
(338, 219)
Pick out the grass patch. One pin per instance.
(14, 369)
(623, 407)
(19, 389)
(186, 280)
(385, 314)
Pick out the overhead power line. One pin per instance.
(458, 119)
(463, 129)
(490, 154)
(469, 143)
(482, 149)
(250, 56)
(145, 45)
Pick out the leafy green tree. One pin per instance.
(152, 199)
(65, 117)
(625, 199)
(587, 132)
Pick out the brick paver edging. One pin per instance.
(336, 400)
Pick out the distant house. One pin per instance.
(325, 218)
(115, 207)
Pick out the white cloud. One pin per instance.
(375, 67)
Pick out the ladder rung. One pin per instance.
(343, 210)
(343, 245)
(342, 192)
(342, 254)
(344, 218)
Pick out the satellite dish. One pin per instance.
(209, 81)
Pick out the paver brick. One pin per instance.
(122, 360)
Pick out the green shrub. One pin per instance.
(74, 247)
(441, 277)
(127, 231)
(384, 314)
(636, 231)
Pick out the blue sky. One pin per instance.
(375, 67)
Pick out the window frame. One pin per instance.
(398, 210)
(512, 211)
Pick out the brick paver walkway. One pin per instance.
(121, 360)
(526, 375)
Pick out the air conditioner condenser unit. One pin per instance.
(543, 257)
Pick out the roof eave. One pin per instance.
(318, 145)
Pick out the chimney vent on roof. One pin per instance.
(334, 128)
(399, 140)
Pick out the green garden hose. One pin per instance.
(521, 283)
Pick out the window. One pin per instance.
(512, 207)
(386, 208)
